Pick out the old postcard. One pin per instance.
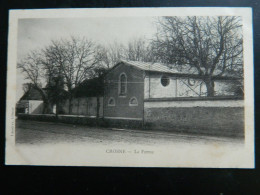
(131, 87)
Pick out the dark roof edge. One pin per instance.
(124, 62)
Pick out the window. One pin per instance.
(165, 81)
(191, 81)
(111, 102)
(133, 102)
(122, 84)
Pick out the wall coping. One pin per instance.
(195, 98)
(59, 115)
(25, 114)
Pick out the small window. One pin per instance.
(165, 81)
(191, 81)
(133, 102)
(122, 84)
(111, 102)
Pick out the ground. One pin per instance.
(36, 133)
(50, 143)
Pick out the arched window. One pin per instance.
(122, 84)
(165, 81)
(111, 102)
(133, 102)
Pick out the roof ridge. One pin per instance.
(164, 68)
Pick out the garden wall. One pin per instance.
(211, 117)
(83, 120)
(70, 119)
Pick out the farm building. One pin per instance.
(30, 103)
(154, 96)
(87, 99)
(162, 97)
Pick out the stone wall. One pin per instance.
(123, 123)
(196, 116)
(211, 117)
(219, 117)
(81, 120)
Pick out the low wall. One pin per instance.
(123, 123)
(211, 117)
(82, 120)
(37, 117)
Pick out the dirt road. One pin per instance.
(35, 132)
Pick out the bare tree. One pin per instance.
(138, 49)
(71, 60)
(212, 45)
(63, 65)
(32, 68)
(27, 87)
(110, 55)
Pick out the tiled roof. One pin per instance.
(184, 69)
(32, 94)
(159, 67)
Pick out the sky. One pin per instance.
(38, 33)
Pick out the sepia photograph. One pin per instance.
(131, 87)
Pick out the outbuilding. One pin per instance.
(158, 96)
(30, 103)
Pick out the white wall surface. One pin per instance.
(180, 87)
(35, 106)
(157, 90)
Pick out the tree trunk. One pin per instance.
(210, 87)
(98, 106)
(57, 109)
(70, 106)
(78, 107)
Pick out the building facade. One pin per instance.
(124, 93)
(154, 96)
(129, 84)
(30, 103)
(169, 98)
